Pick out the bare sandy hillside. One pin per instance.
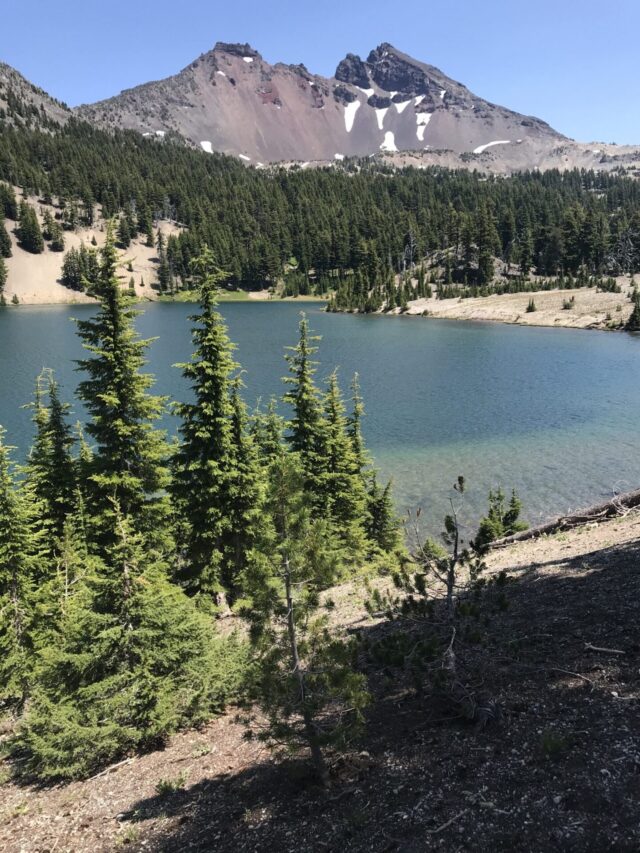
(35, 279)
(591, 310)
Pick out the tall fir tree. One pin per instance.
(216, 483)
(306, 429)
(340, 480)
(129, 462)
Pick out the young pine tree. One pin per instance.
(129, 462)
(306, 685)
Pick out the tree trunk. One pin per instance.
(311, 734)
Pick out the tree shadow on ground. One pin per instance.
(559, 771)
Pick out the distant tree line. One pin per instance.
(355, 216)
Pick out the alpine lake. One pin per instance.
(553, 413)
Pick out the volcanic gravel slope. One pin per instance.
(231, 100)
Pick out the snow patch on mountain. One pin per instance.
(389, 143)
(422, 120)
(350, 113)
(402, 106)
(367, 92)
(206, 146)
(338, 156)
(248, 59)
(380, 114)
(484, 147)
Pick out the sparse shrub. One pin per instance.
(531, 307)
(553, 744)
(170, 786)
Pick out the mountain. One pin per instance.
(23, 104)
(231, 100)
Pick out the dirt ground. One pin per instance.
(559, 770)
(591, 310)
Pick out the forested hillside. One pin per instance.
(317, 225)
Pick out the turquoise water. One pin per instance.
(553, 413)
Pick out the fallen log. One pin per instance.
(615, 506)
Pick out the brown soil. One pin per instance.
(559, 771)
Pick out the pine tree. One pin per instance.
(124, 233)
(5, 240)
(249, 529)
(633, 323)
(28, 231)
(306, 429)
(16, 587)
(383, 525)
(339, 478)
(306, 684)
(51, 471)
(132, 662)
(501, 519)
(129, 464)
(213, 460)
(3, 279)
(267, 430)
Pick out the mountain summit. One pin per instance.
(231, 100)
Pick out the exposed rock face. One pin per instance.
(353, 70)
(231, 100)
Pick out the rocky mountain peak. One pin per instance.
(236, 49)
(353, 70)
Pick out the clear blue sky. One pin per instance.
(573, 63)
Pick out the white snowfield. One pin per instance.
(419, 100)
(380, 114)
(244, 157)
(221, 73)
(160, 133)
(350, 113)
(338, 156)
(368, 92)
(206, 146)
(484, 147)
(248, 58)
(402, 106)
(443, 92)
(422, 120)
(389, 143)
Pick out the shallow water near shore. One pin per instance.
(553, 413)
